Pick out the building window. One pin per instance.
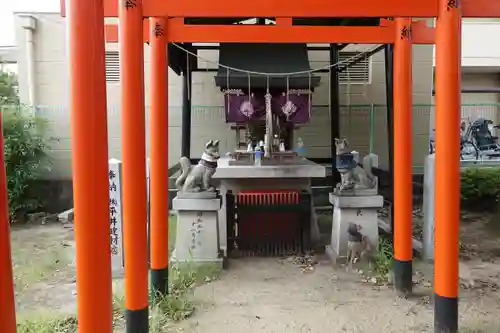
(358, 73)
(112, 66)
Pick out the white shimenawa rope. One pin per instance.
(249, 88)
(329, 90)
(188, 73)
(348, 99)
(359, 55)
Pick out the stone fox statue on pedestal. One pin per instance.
(197, 178)
(356, 177)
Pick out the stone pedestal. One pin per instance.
(197, 238)
(360, 210)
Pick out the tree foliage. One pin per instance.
(8, 88)
(25, 149)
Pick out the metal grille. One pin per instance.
(112, 66)
(268, 223)
(356, 73)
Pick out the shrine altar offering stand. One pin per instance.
(267, 210)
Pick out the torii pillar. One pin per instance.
(135, 233)
(7, 301)
(403, 250)
(448, 79)
(89, 143)
(158, 127)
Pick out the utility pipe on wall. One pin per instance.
(29, 26)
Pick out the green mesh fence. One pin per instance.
(423, 123)
(365, 124)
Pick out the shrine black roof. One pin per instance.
(264, 58)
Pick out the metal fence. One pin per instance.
(373, 117)
(422, 114)
(352, 112)
(365, 121)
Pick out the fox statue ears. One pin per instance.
(341, 141)
(212, 143)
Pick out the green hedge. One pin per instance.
(480, 188)
(25, 152)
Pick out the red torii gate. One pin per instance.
(282, 32)
(313, 8)
(88, 115)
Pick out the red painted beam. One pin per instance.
(179, 32)
(480, 8)
(420, 32)
(302, 8)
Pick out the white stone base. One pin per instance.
(217, 263)
(352, 209)
(117, 271)
(197, 238)
(333, 256)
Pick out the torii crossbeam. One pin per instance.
(282, 32)
(301, 9)
(88, 115)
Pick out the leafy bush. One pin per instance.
(25, 152)
(8, 88)
(384, 260)
(480, 188)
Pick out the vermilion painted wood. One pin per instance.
(179, 32)
(296, 8)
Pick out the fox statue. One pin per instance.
(357, 177)
(197, 178)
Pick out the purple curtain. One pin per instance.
(240, 108)
(295, 108)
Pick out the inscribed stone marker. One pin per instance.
(115, 216)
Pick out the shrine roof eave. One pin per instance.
(265, 58)
(177, 61)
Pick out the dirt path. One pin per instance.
(44, 273)
(274, 295)
(269, 295)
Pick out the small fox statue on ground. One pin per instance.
(359, 247)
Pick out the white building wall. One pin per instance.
(481, 81)
(51, 82)
(478, 50)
